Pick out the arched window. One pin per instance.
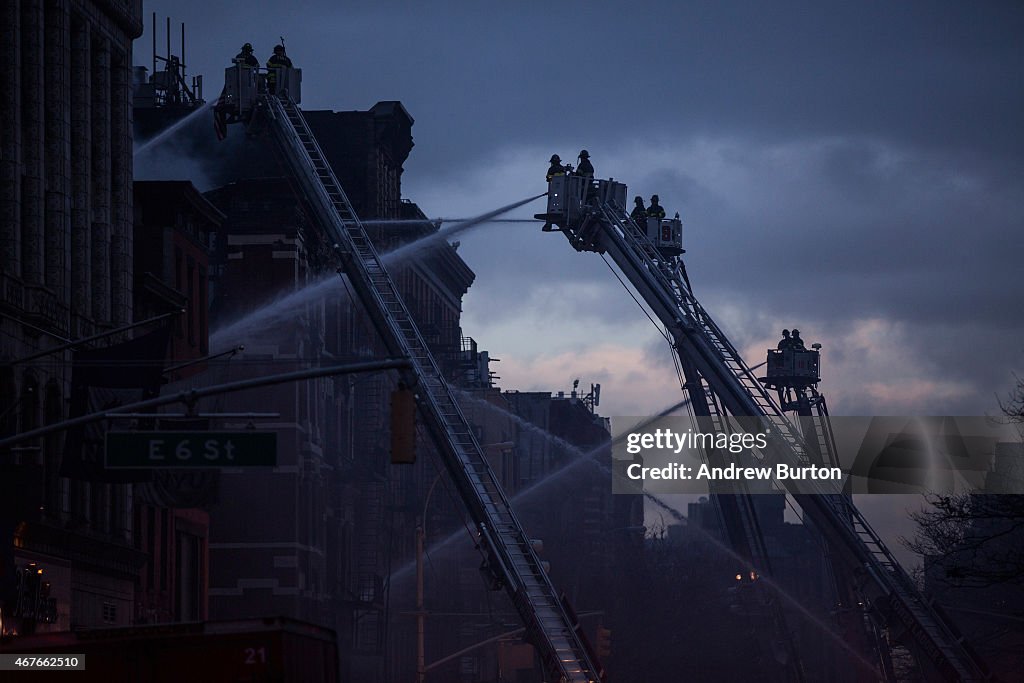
(55, 500)
(29, 408)
(8, 403)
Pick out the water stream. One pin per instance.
(287, 306)
(589, 457)
(170, 130)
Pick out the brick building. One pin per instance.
(172, 228)
(333, 513)
(328, 535)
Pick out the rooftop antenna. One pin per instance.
(172, 86)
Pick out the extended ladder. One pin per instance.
(510, 554)
(886, 587)
(739, 520)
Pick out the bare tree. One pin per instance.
(1013, 405)
(972, 540)
(975, 540)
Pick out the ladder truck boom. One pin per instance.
(592, 216)
(509, 552)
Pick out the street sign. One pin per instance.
(145, 450)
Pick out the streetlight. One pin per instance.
(420, 614)
(421, 532)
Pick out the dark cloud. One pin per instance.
(833, 162)
(928, 73)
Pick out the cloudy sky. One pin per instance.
(853, 170)
(850, 169)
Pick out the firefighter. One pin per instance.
(798, 343)
(277, 61)
(785, 342)
(556, 168)
(247, 58)
(639, 213)
(585, 169)
(655, 210)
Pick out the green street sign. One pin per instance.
(145, 450)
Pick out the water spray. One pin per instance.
(556, 474)
(406, 250)
(283, 308)
(169, 131)
(287, 306)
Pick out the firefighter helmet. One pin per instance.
(555, 159)
(796, 332)
(654, 198)
(247, 47)
(785, 333)
(584, 154)
(638, 199)
(279, 49)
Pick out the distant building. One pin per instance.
(694, 594)
(366, 149)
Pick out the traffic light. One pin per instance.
(403, 426)
(604, 642)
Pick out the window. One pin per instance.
(150, 546)
(100, 503)
(52, 449)
(165, 535)
(109, 613)
(204, 333)
(188, 588)
(179, 283)
(8, 398)
(29, 404)
(191, 293)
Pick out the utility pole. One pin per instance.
(421, 533)
(421, 615)
(421, 672)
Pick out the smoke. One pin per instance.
(183, 152)
(172, 163)
(268, 318)
(171, 130)
(189, 150)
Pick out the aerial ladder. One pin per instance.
(592, 216)
(793, 371)
(509, 553)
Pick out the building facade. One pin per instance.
(65, 274)
(173, 224)
(334, 514)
